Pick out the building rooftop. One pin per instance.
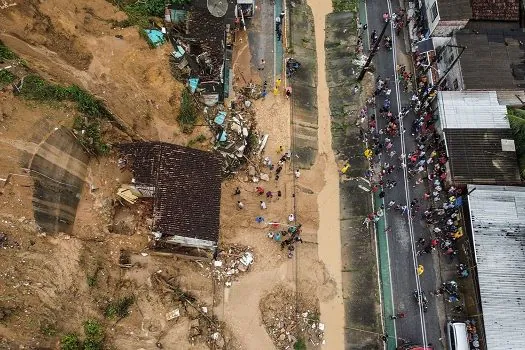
(493, 60)
(186, 187)
(454, 10)
(497, 215)
(478, 156)
(471, 110)
(496, 10)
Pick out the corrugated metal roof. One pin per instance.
(471, 110)
(498, 225)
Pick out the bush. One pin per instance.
(70, 341)
(119, 308)
(5, 53)
(94, 331)
(299, 344)
(6, 77)
(187, 114)
(344, 5)
(36, 88)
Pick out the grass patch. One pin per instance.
(119, 308)
(94, 335)
(299, 344)
(91, 108)
(6, 78)
(345, 5)
(36, 88)
(187, 114)
(139, 12)
(70, 341)
(5, 53)
(198, 140)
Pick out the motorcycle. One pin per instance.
(421, 299)
(388, 43)
(462, 271)
(374, 37)
(292, 65)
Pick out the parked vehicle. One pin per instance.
(421, 299)
(246, 7)
(457, 336)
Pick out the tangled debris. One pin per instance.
(229, 264)
(204, 326)
(237, 139)
(287, 325)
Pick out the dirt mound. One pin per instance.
(290, 318)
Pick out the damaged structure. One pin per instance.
(184, 185)
(202, 37)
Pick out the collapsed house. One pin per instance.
(184, 185)
(202, 38)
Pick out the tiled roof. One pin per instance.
(496, 10)
(476, 156)
(187, 187)
(493, 59)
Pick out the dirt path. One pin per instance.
(329, 238)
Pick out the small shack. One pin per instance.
(185, 185)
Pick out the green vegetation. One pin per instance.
(345, 5)
(517, 124)
(70, 341)
(6, 78)
(119, 308)
(139, 12)
(92, 109)
(5, 53)
(187, 114)
(299, 344)
(199, 139)
(94, 335)
(48, 329)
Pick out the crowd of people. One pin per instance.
(291, 234)
(433, 201)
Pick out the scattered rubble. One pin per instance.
(204, 326)
(288, 317)
(229, 263)
(236, 133)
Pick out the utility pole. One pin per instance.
(437, 57)
(436, 86)
(373, 51)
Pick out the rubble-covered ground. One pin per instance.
(291, 319)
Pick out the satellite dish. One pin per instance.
(218, 8)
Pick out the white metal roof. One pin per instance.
(471, 110)
(498, 224)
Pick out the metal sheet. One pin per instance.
(471, 110)
(498, 225)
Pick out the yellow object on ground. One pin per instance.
(345, 168)
(420, 270)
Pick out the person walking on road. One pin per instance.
(262, 64)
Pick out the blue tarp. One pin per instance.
(223, 136)
(193, 83)
(155, 36)
(219, 119)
